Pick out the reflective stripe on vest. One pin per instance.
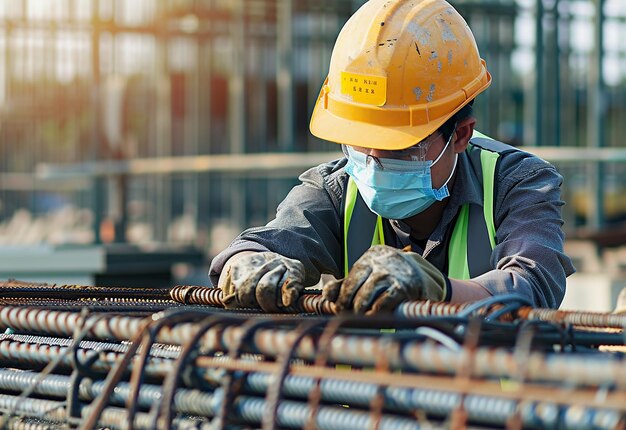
(474, 225)
(355, 242)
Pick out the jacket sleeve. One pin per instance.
(529, 257)
(307, 226)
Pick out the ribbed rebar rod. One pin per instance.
(63, 323)
(35, 408)
(583, 319)
(357, 350)
(291, 414)
(309, 303)
(190, 295)
(488, 409)
(13, 288)
(416, 309)
(55, 411)
(17, 423)
(523, 392)
(186, 400)
(493, 411)
(577, 369)
(189, 401)
(18, 353)
(157, 350)
(483, 409)
(314, 303)
(127, 305)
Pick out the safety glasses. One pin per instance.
(416, 152)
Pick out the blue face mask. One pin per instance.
(396, 189)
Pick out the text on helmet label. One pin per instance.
(368, 89)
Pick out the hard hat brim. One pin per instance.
(368, 134)
(344, 131)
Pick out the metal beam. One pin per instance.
(596, 121)
(274, 164)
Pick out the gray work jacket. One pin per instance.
(528, 257)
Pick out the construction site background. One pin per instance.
(181, 122)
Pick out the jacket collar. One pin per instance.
(467, 188)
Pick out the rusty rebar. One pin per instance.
(14, 288)
(314, 303)
(230, 358)
(359, 350)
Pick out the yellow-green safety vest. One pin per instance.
(474, 225)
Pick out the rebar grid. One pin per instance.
(194, 365)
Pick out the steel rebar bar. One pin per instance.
(314, 303)
(443, 375)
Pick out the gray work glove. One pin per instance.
(263, 280)
(382, 278)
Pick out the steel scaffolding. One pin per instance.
(91, 89)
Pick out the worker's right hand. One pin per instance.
(263, 280)
(382, 278)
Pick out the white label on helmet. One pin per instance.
(367, 89)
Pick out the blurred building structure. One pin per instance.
(150, 122)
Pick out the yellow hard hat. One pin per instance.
(398, 71)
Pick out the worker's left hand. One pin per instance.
(382, 278)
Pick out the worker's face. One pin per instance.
(429, 149)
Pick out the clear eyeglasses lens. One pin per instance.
(416, 152)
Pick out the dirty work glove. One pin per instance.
(382, 278)
(263, 280)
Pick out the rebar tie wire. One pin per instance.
(150, 334)
(233, 381)
(82, 328)
(162, 413)
(116, 373)
(321, 358)
(275, 391)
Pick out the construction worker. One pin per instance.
(422, 206)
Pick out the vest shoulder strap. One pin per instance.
(358, 223)
(475, 225)
(485, 142)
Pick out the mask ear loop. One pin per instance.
(445, 147)
(456, 159)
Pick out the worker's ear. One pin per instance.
(464, 130)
